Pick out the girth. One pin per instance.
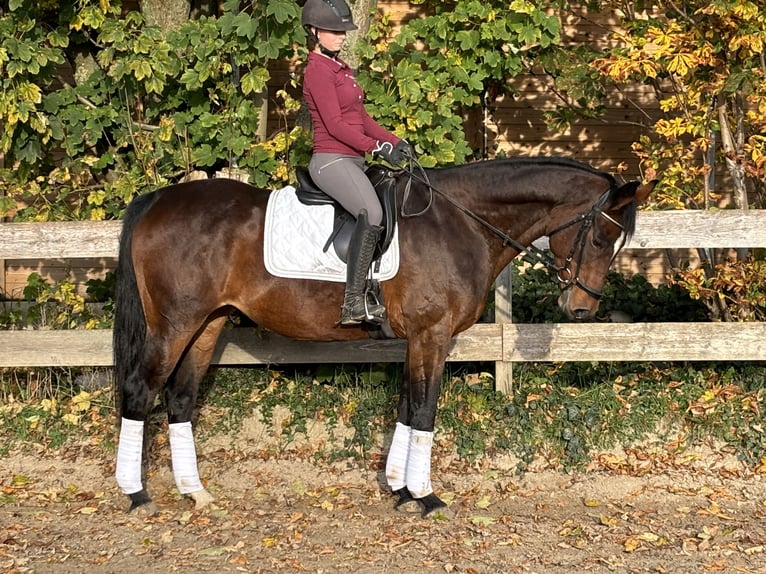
(383, 181)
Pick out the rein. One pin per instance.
(532, 254)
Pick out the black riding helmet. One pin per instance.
(333, 15)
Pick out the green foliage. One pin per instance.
(57, 306)
(361, 399)
(704, 61)
(43, 408)
(568, 415)
(736, 291)
(441, 67)
(144, 105)
(535, 299)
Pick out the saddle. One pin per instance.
(383, 181)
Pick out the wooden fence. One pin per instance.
(502, 342)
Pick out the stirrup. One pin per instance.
(351, 315)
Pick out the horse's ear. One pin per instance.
(632, 191)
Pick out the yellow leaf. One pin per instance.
(48, 405)
(631, 544)
(269, 542)
(87, 510)
(71, 419)
(648, 537)
(82, 401)
(483, 502)
(591, 503)
(20, 480)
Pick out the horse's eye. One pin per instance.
(599, 242)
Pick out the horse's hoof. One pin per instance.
(430, 503)
(411, 505)
(201, 498)
(141, 504)
(406, 502)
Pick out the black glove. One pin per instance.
(393, 154)
(405, 149)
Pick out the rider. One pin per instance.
(343, 133)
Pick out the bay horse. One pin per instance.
(192, 252)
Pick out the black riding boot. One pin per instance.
(356, 308)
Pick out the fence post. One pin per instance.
(503, 291)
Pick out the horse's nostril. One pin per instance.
(580, 314)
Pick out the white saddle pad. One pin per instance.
(295, 235)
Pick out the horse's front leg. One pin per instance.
(408, 468)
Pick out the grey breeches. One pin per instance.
(342, 177)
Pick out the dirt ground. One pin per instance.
(277, 511)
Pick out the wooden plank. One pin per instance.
(654, 230)
(59, 239)
(56, 348)
(558, 342)
(236, 347)
(697, 228)
(635, 342)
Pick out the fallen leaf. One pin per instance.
(269, 542)
(482, 520)
(213, 551)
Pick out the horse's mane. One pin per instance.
(629, 215)
(519, 162)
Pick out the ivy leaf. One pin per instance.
(282, 10)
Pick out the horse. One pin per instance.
(191, 253)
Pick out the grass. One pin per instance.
(566, 413)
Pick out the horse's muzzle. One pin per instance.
(577, 308)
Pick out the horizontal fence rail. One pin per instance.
(654, 230)
(501, 342)
(505, 343)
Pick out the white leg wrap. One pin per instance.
(419, 463)
(184, 457)
(129, 452)
(396, 463)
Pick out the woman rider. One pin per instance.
(343, 134)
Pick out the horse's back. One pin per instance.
(208, 200)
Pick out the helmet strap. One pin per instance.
(314, 34)
(329, 53)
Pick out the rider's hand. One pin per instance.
(405, 149)
(393, 154)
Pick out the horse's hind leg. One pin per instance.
(180, 397)
(137, 395)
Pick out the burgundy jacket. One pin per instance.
(336, 103)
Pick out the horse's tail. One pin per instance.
(129, 330)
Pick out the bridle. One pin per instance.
(564, 275)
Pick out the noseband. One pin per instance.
(564, 274)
